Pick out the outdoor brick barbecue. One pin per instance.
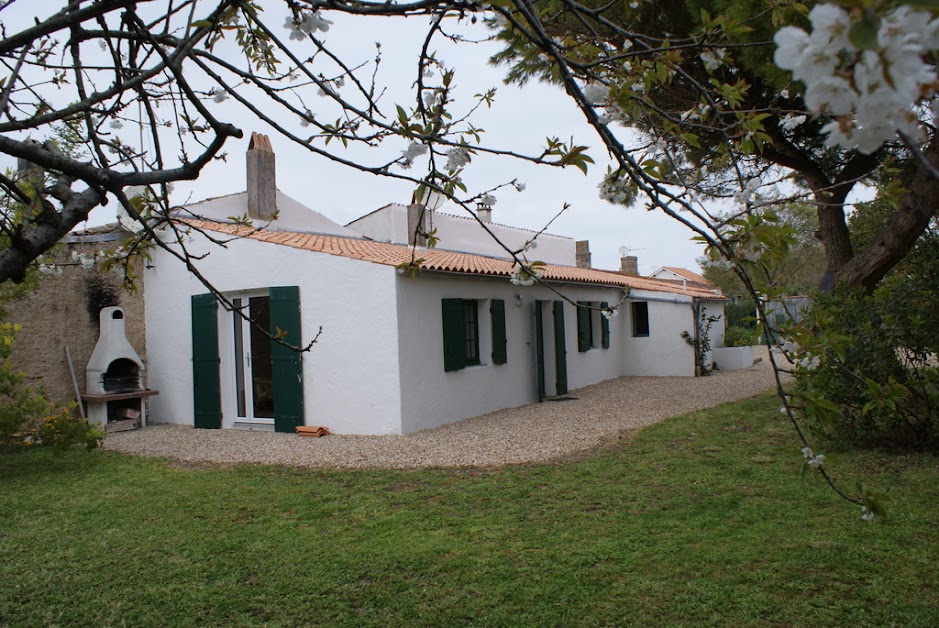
(115, 386)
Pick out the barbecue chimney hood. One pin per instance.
(114, 378)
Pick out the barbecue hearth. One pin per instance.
(114, 379)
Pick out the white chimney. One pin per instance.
(262, 183)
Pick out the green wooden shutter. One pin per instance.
(604, 326)
(539, 350)
(286, 363)
(454, 334)
(583, 327)
(560, 351)
(206, 388)
(497, 309)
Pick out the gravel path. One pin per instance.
(533, 433)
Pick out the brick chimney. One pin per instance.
(582, 253)
(629, 265)
(262, 184)
(417, 224)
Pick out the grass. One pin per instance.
(703, 519)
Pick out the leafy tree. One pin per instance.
(698, 82)
(799, 271)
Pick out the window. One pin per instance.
(462, 344)
(640, 311)
(471, 332)
(584, 326)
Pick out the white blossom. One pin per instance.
(522, 277)
(866, 514)
(596, 93)
(789, 122)
(488, 200)
(615, 190)
(872, 92)
(713, 59)
(457, 158)
(412, 152)
(116, 124)
(220, 96)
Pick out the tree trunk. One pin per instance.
(835, 237)
(907, 224)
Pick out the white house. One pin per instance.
(393, 353)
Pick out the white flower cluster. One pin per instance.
(615, 190)
(596, 93)
(488, 200)
(799, 356)
(457, 158)
(871, 92)
(412, 152)
(50, 269)
(866, 514)
(85, 261)
(522, 277)
(745, 194)
(308, 24)
(609, 313)
(713, 59)
(432, 98)
(812, 459)
(790, 121)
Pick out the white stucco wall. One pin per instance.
(292, 215)
(431, 396)
(664, 273)
(663, 352)
(351, 380)
(464, 234)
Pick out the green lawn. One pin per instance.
(701, 520)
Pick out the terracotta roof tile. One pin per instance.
(442, 260)
(690, 275)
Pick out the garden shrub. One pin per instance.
(867, 364)
(739, 337)
(27, 418)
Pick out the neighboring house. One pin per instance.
(685, 277)
(394, 353)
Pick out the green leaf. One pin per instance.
(863, 34)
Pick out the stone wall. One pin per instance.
(62, 312)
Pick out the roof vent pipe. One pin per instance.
(262, 183)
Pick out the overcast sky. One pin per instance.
(520, 119)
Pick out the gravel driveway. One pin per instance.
(534, 433)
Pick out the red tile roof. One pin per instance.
(690, 275)
(441, 260)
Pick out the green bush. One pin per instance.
(739, 337)
(867, 364)
(27, 418)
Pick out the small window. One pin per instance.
(460, 333)
(640, 311)
(471, 322)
